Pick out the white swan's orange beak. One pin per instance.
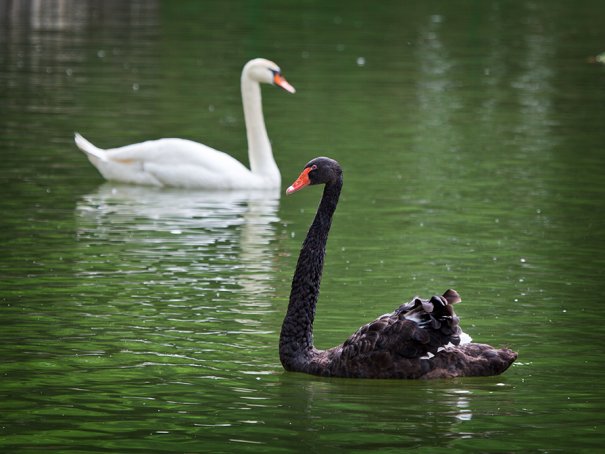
(301, 182)
(279, 80)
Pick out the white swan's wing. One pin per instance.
(172, 151)
(172, 162)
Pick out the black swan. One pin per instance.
(420, 339)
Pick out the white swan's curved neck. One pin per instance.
(260, 153)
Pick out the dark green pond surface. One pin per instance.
(472, 137)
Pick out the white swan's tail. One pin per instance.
(89, 148)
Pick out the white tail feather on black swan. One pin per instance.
(420, 339)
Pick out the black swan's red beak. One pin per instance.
(301, 181)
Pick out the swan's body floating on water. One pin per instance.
(420, 339)
(184, 163)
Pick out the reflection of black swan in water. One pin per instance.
(420, 339)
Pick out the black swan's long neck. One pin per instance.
(296, 340)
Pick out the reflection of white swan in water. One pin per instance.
(195, 230)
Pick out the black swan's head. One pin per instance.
(318, 171)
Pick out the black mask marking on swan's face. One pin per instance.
(318, 171)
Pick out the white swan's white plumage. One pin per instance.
(184, 163)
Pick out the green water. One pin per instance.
(143, 320)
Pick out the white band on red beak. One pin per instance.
(301, 181)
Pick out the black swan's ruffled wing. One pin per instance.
(413, 330)
(420, 339)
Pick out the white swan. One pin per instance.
(184, 163)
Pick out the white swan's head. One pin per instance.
(265, 71)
